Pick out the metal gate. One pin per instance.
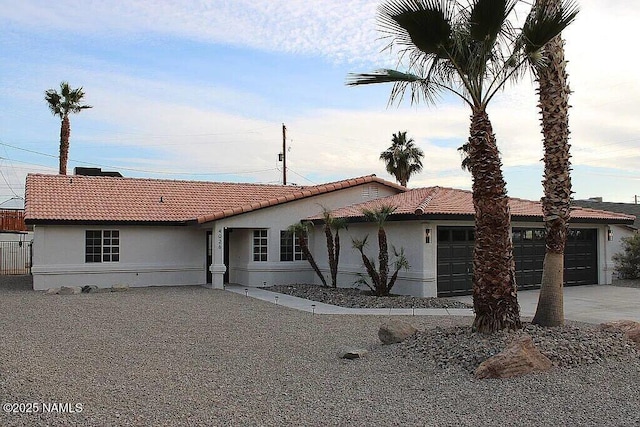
(16, 257)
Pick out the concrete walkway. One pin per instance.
(590, 304)
(321, 308)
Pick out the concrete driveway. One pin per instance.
(591, 304)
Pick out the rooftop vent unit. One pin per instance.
(95, 172)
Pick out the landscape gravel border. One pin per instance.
(356, 298)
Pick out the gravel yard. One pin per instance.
(194, 356)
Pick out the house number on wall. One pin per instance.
(219, 239)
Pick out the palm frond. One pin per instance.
(424, 24)
(487, 18)
(381, 76)
(545, 22)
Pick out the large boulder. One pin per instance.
(520, 357)
(53, 291)
(120, 287)
(630, 328)
(395, 331)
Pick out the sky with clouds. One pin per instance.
(200, 90)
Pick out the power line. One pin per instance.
(133, 169)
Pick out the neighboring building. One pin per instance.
(143, 232)
(625, 208)
(15, 238)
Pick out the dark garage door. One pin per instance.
(455, 260)
(455, 251)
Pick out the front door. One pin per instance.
(226, 254)
(209, 256)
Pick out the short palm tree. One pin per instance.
(472, 52)
(553, 92)
(381, 283)
(62, 104)
(331, 225)
(403, 158)
(301, 231)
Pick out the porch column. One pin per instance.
(218, 268)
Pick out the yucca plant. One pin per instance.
(471, 51)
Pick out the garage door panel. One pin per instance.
(455, 258)
(455, 255)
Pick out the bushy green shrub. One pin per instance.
(628, 261)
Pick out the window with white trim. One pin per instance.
(260, 245)
(102, 246)
(290, 249)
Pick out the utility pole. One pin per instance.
(284, 154)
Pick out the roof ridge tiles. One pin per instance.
(425, 202)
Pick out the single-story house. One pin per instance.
(145, 232)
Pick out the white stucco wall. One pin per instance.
(243, 270)
(418, 280)
(149, 256)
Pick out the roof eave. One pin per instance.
(103, 222)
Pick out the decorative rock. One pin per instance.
(520, 357)
(353, 353)
(619, 325)
(53, 291)
(120, 287)
(88, 289)
(634, 335)
(70, 290)
(630, 328)
(395, 331)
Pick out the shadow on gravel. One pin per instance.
(16, 283)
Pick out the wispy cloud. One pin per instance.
(342, 30)
(211, 125)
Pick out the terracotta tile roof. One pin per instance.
(86, 198)
(439, 201)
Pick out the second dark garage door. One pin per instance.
(455, 252)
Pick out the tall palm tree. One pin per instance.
(472, 52)
(402, 159)
(553, 92)
(61, 105)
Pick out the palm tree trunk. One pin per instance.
(304, 247)
(334, 276)
(495, 300)
(331, 253)
(65, 132)
(383, 258)
(554, 105)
